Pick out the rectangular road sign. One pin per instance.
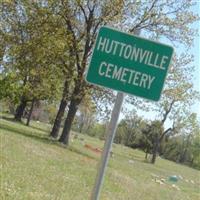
(129, 64)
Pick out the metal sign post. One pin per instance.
(107, 146)
(129, 64)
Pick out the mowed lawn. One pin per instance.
(33, 167)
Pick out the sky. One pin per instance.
(195, 50)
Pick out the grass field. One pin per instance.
(33, 167)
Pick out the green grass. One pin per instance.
(33, 167)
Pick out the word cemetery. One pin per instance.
(129, 64)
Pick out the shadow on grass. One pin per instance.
(39, 129)
(11, 119)
(26, 133)
(20, 132)
(39, 136)
(78, 151)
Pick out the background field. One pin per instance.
(34, 167)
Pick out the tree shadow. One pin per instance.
(41, 137)
(10, 119)
(30, 134)
(39, 129)
(85, 154)
(45, 139)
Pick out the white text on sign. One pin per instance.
(132, 53)
(126, 75)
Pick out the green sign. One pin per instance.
(129, 64)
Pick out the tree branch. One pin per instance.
(164, 133)
(84, 13)
(74, 49)
(87, 47)
(144, 18)
(167, 111)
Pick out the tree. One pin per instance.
(177, 96)
(129, 130)
(184, 146)
(30, 112)
(135, 132)
(156, 129)
(189, 130)
(195, 146)
(156, 19)
(2, 46)
(86, 115)
(35, 53)
(83, 20)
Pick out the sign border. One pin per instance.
(114, 29)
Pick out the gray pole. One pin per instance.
(107, 146)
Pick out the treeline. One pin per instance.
(179, 145)
(46, 46)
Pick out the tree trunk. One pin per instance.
(11, 108)
(155, 150)
(30, 113)
(81, 123)
(183, 155)
(182, 158)
(192, 162)
(58, 120)
(20, 110)
(64, 138)
(81, 128)
(63, 103)
(146, 154)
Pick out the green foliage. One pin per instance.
(184, 146)
(35, 41)
(51, 111)
(86, 114)
(195, 146)
(9, 89)
(129, 130)
(184, 150)
(97, 130)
